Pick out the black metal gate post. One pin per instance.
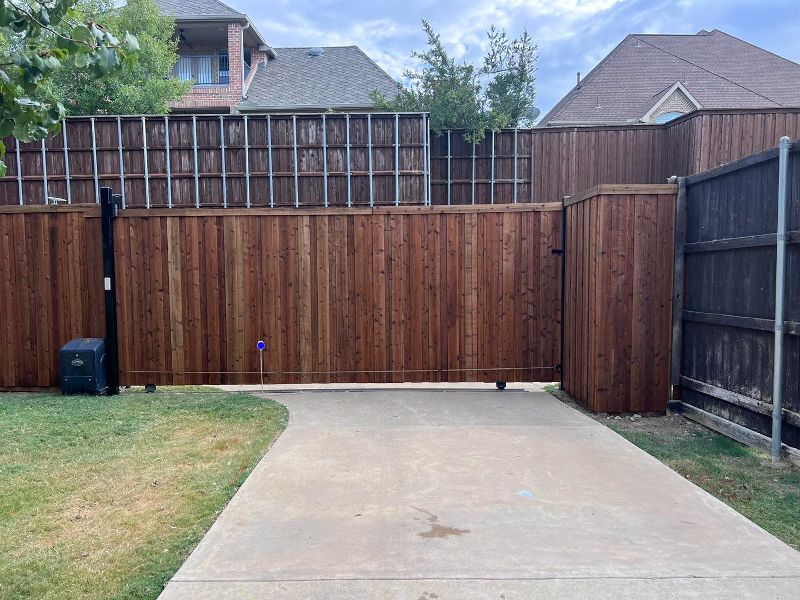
(108, 210)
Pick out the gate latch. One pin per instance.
(558, 251)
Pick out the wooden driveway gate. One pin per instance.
(388, 294)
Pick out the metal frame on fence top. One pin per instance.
(45, 191)
(145, 164)
(121, 160)
(146, 121)
(222, 162)
(94, 164)
(194, 153)
(269, 162)
(66, 163)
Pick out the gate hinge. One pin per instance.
(558, 251)
(558, 367)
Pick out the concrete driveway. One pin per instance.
(465, 494)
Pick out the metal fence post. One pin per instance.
(19, 172)
(222, 162)
(44, 174)
(347, 153)
(146, 166)
(396, 159)
(294, 149)
(121, 161)
(194, 152)
(449, 176)
(247, 161)
(66, 161)
(325, 161)
(369, 155)
(108, 210)
(780, 281)
(169, 163)
(94, 163)
(269, 161)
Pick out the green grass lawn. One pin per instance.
(740, 476)
(104, 497)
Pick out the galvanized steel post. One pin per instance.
(146, 167)
(780, 280)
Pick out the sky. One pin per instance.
(572, 35)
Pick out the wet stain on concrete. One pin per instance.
(438, 531)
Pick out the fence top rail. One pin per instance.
(282, 115)
(302, 212)
(628, 189)
(90, 210)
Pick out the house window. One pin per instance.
(668, 116)
(224, 69)
(198, 68)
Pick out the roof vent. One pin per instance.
(316, 51)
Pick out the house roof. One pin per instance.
(718, 69)
(341, 78)
(193, 9)
(211, 11)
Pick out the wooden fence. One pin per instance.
(546, 164)
(51, 289)
(309, 160)
(617, 297)
(726, 256)
(339, 295)
(221, 161)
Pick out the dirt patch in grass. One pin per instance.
(742, 477)
(105, 497)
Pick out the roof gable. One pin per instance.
(677, 89)
(717, 69)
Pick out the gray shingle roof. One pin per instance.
(719, 70)
(342, 77)
(193, 9)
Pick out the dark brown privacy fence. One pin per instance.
(216, 161)
(617, 297)
(308, 160)
(546, 164)
(726, 299)
(339, 295)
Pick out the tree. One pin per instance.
(39, 37)
(498, 93)
(146, 86)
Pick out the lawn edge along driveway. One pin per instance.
(104, 497)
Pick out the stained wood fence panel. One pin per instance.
(364, 296)
(563, 161)
(51, 290)
(725, 366)
(618, 285)
(214, 161)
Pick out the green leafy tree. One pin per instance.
(459, 95)
(146, 86)
(38, 38)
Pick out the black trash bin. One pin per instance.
(83, 366)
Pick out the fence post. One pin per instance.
(780, 280)
(677, 289)
(108, 210)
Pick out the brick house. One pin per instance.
(654, 78)
(235, 70)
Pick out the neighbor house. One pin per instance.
(234, 69)
(657, 78)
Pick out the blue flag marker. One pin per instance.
(261, 345)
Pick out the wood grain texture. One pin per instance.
(51, 291)
(618, 306)
(365, 297)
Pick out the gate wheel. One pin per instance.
(501, 385)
